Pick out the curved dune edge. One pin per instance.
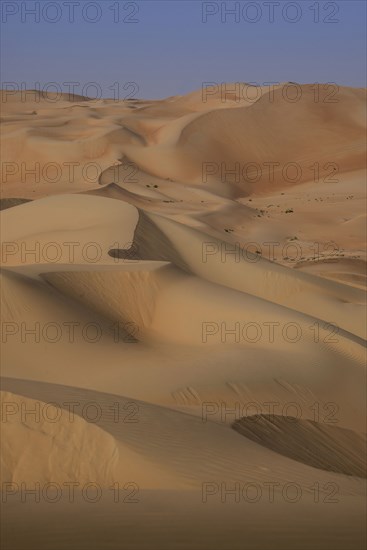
(40, 225)
(48, 444)
(321, 446)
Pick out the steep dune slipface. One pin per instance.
(128, 297)
(325, 447)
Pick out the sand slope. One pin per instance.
(186, 300)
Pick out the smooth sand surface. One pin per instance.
(183, 324)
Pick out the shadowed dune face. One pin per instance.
(321, 446)
(150, 243)
(10, 203)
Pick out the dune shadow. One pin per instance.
(320, 445)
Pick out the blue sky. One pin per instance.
(174, 46)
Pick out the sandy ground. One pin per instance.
(183, 322)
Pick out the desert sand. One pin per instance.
(183, 310)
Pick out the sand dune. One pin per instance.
(53, 451)
(169, 276)
(325, 447)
